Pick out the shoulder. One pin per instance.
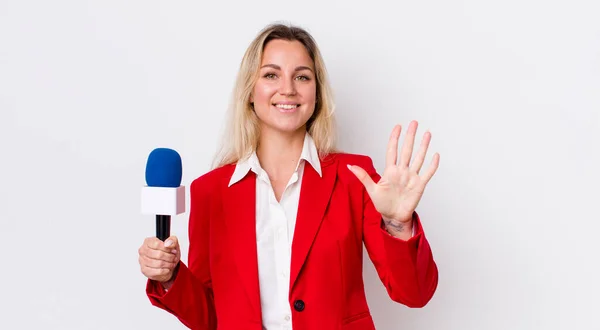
(342, 160)
(212, 179)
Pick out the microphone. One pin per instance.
(163, 194)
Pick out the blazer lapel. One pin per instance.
(239, 208)
(314, 198)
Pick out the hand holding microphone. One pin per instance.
(163, 197)
(158, 261)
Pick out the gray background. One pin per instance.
(510, 90)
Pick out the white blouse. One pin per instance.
(275, 222)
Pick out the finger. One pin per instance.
(435, 163)
(154, 243)
(392, 148)
(159, 255)
(171, 242)
(147, 250)
(407, 146)
(420, 156)
(153, 272)
(363, 177)
(153, 263)
(158, 263)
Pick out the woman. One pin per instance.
(280, 178)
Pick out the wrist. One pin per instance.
(399, 229)
(398, 224)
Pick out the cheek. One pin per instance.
(309, 93)
(263, 93)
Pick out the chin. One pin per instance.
(287, 128)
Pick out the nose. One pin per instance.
(287, 87)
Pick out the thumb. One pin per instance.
(171, 241)
(363, 177)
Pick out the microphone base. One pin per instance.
(163, 227)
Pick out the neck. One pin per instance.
(279, 152)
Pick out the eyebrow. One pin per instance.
(277, 67)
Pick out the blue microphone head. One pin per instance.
(163, 168)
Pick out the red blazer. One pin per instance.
(219, 289)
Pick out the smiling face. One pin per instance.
(285, 93)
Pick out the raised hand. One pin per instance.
(401, 186)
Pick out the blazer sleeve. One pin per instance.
(406, 268)
(190, 298)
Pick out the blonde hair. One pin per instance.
(242, 132)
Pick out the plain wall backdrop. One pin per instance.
(509, 89)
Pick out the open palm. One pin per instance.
(401, 186)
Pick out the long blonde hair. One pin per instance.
(242, 132)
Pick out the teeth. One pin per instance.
(287, 106)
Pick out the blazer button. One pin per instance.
(299, 305)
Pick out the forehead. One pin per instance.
(282, 52)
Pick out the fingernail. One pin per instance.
(168, 243)
(349, 167)
(174, 251)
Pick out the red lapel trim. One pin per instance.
(314, 198)
(239, 208)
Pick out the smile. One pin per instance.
(287, 106)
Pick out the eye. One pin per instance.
(270, 75)
(303, 78)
